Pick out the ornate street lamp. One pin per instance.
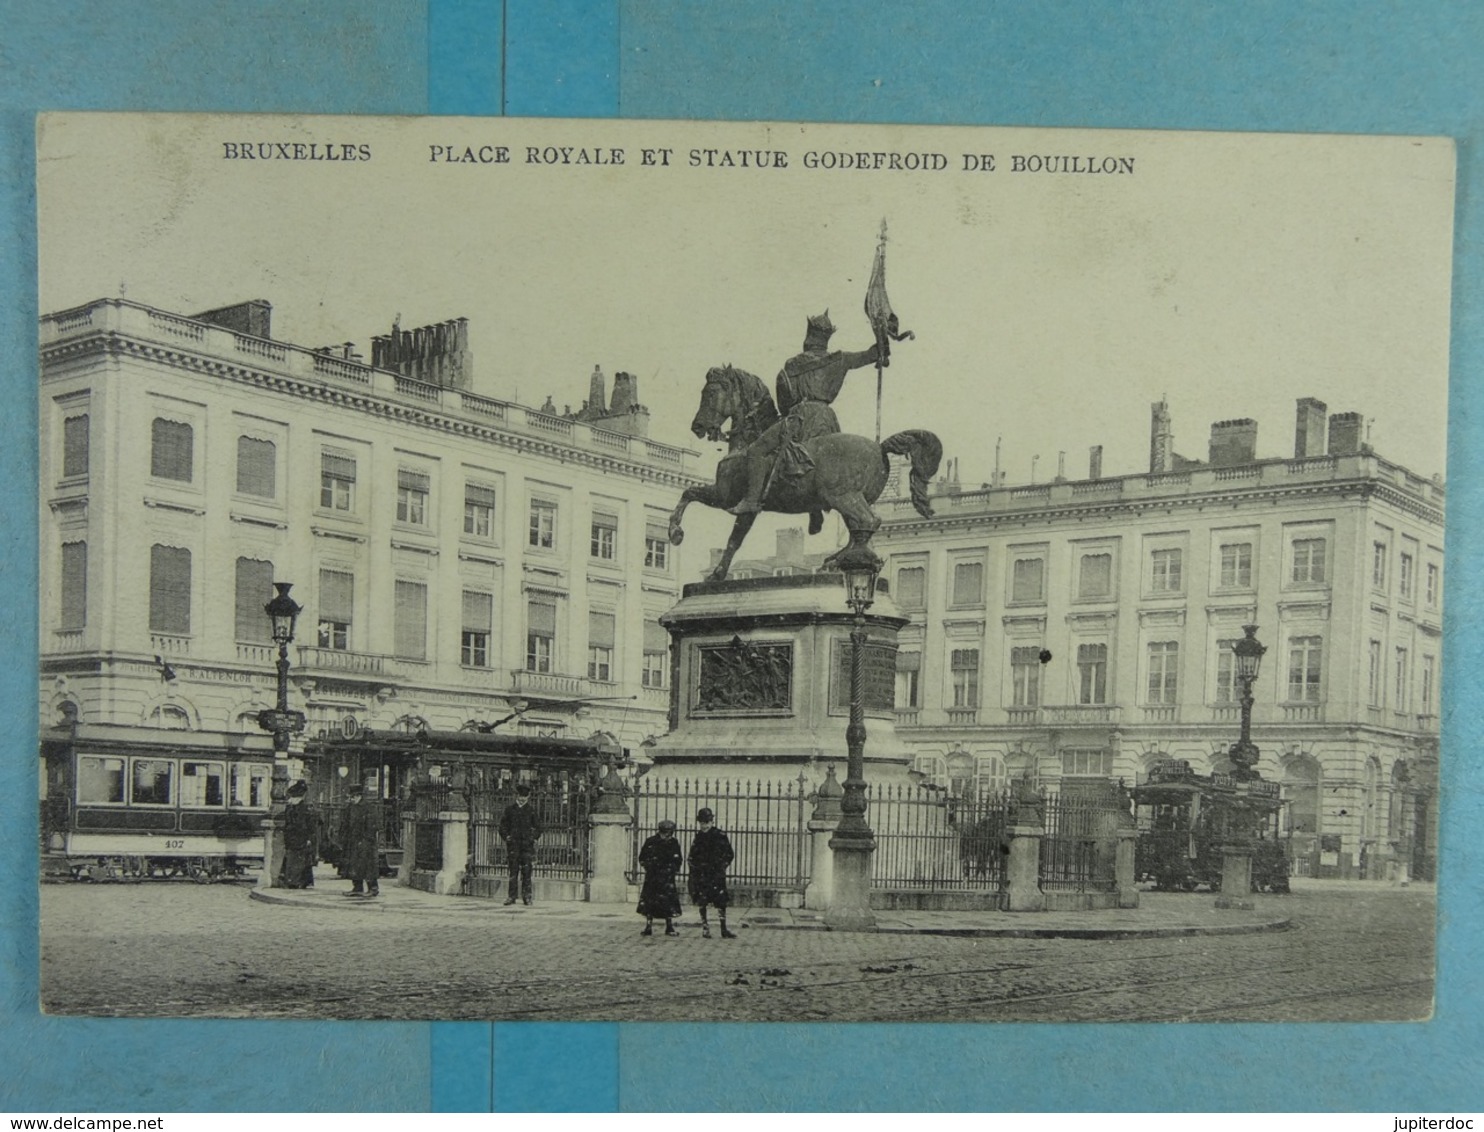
(1249, 652)
(853, 842)
(284, 724)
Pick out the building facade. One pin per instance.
(1138, 586)
(459, 558)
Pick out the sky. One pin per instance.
(1227, 273)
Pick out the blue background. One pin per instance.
(1355, 67)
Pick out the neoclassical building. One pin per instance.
(457, 556)
(1139, 584)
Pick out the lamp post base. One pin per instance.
(850, 902)
(1236, 878)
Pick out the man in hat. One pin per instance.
(300, 839)
(520, 828)
(710, 854)
(661, 860)
(807, 385)
(360, 836)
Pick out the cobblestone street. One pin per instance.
(1352, 952)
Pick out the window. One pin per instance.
(1374, 684)
(1025, 676)
(989, 776)
(74, 611)
(201, 784)
(1433, 577)
(1401, 700)
(100, 781)
(474, 638)
(656, 548)
(656, 655)
(604, 541)
(149, 782)
(1228, 690)
(410, 620)
(479, 510)
(540, 634)
(336, 600)
(257, 467)
(964, 667)
(254, 590)
(170, 450)
(1404, 577)
(933, 768)
(968, 583)
(543, 525)
(250, 785)
(75, 446)
(337, 481)
(1028, 580)
(1429, 678)
(1378, 565)
(1236, 565)
(169, 717)
(1305, 667)
(1092, 674)
(169, 590)
(1096, 576)
(1164, 671)
(912, 587)
(908, 687)
(1164, 571)
(1086, 763)
(1308, 560)
(600, 628)
(412, 497)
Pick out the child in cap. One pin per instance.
(661, 859)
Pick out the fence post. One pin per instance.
(409, 842)
(820, 889)
(609, 822)
(1023, 870)
(451, 872)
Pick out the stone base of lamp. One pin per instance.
(1236, 878)
(850, 895)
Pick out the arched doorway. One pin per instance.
(1300, 786)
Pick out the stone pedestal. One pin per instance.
(409, 846)
(1023, 870)
(450, 878)
(850, 889)
(1128, 894)
(272, 850)
(821, 886)
(1236, 877)
(760, 673)
(610, 855)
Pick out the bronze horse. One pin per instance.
(847, 475)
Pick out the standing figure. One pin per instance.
(661, 859)
(807, 385)
(360, 840)
(300, 839)
(710, 854)
(520, 829)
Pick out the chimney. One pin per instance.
(791, 545)
(1095, 462)
(1308, 430)
(253, 317)
(1061, 467)
(625, 394)
(1233, 442)
(1345, 434)
(1161, 438)
(597, 393)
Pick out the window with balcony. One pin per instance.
(257, 467)
(603, 543)
(169, 590)
(476, 625)
(75, 446)
(600, 634)
(656, 549)
(964, 673)
(541, 635)
(413, 488)
(1308, 561)
(1092, 674)
(911, 588)
(410, 620)
(171, 454)
(1095, 576)
(336, 601)
(655, 673)
(1165, 571)
(908, 693)
(968, 583)
(541, 531)
(1164, 672)
(1305, 669)
(73, 613)
(1228, 689)
(1028, 580)
(254, 590)
(1236, 565)
(479, 510)
(1025, 676)
(337, 481)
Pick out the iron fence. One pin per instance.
(1079, 851)
(562, 804)
(765, 821)
(927, 839)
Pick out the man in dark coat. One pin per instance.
(360, 840)
(520, 828)
(661, 859)
(710, 854)
(300, 839)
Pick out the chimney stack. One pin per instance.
(1233, 442)
(1161, 438)
(1345, 434)
(791, 545)
(1308, 431)
(625, 394)
(1095, 463)
(597, 394)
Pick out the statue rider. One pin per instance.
(807, 384)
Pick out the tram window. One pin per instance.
(201, 784)
(250, 783)
(151, 782)
(100, 781)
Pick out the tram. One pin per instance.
(119, 806)
(1184, 818)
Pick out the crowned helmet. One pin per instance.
(817, 333)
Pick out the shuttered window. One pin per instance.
(74, 611)
(911, 587)
(410, 621)
(336, 601)
(257, 467)
(600, 629)
(1096, 579)
(337, 480)
(968, 583)
(474, 636)
(479, 510)
(540, 634)
(75, 446)
(170, 450)
(169, 590)
(254, 591)
(1029, 580)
